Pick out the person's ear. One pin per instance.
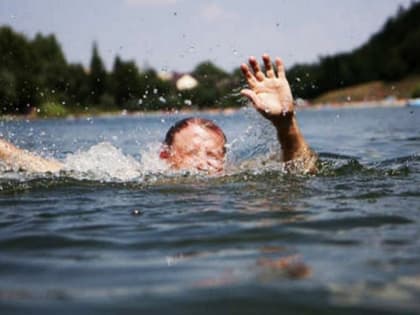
(164, 153)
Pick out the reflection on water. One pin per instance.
(256, 238)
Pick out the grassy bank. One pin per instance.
(372, 91)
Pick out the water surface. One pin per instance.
(254, 241)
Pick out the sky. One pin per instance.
(176, 35)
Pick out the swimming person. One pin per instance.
(199, 144)
(195, 144)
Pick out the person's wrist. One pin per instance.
(284, 120)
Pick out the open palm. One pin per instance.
(269, 93)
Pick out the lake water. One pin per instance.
(255, 241)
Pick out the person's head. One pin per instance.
(195, 144)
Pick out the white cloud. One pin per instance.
(212, 12)
(149, 2)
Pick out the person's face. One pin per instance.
(197, 148)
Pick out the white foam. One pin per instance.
(150, 163)
(103, 162)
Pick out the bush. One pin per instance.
(52, 109)
(416, 92)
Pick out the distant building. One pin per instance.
(186, 82)
(165, 76)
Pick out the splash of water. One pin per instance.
(103, 162)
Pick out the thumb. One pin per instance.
(251, 95)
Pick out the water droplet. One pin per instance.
(162, 120)
(169, 261)
(235, 52)
(63, 102)
(162, 99)
(348, 98)
(140, 101)
(155, 91)
(136, 212)
(298, 79)
(188, 102)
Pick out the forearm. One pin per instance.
(292, 142)
(23, 160)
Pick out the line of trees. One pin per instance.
(389, 55)
(34, 73)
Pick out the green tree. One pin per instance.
(49, 68)
(8, 95)
(77, 87)
(97, 77)
(18, 84)
(126, 83)
(213, 84)
(155, 93)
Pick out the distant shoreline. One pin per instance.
(397, 103)
(360, 104)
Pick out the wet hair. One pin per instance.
(178, 126)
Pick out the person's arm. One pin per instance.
(271, 96)
(23, 160)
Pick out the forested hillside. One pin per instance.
(391, 54)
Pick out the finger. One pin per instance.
(268, 66)
(256, 67)
(280, 67)
(252, 81)
(252, 96)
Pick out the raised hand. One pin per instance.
(269, 92)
